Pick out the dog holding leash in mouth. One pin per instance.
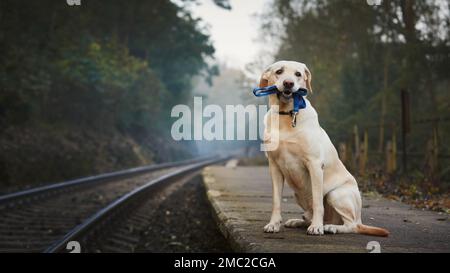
(307, 160)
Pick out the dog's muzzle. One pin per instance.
(299, 101)
(287, 94)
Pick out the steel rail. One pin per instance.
(34, 192)
(110, 209)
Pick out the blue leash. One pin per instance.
(299, 101)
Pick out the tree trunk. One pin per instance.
(387, 56)
(409, 19)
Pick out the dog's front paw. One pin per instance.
(272, 227)
(315, 229)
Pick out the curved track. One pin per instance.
(46, 218)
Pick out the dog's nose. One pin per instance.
(288, 84)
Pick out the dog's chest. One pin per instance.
(291, 164)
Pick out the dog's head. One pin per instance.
(288, 76)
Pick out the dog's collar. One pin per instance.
(284, 113)
(293, 115)
(299, 101)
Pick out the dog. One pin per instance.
(307, 160)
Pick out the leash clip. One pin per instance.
(294, 119)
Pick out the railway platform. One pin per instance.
(241, 200)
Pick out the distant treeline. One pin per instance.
(89, 88)
(361, 56)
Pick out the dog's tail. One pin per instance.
(369, 230)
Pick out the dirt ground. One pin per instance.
(184, 223)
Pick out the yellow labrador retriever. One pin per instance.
(307, 160)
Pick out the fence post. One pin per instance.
(389, 158)
(343, 153)
(431, 155)
(394, 151)
(350, 156)
(364, 149)
(356, 154)
(435, 152)
(406, 126)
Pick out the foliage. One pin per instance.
(413, 189)
(361, 56)
(105, 68)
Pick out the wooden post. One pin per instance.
(350, 156)
(389, 159)
(364, 150)
(394, 151)
(432, 155)
(357, 148)
(391, 155)
(406, 126)
(435, 153)
(343, 153)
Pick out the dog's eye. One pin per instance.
(279, 71)
(298, 74)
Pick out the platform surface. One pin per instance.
(241, 198)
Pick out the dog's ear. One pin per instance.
(308, 79)
(264, 81)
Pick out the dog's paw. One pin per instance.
(295, 223)
(272, 227)
(330, 229)
(315, 230)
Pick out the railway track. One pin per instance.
(48, 218)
